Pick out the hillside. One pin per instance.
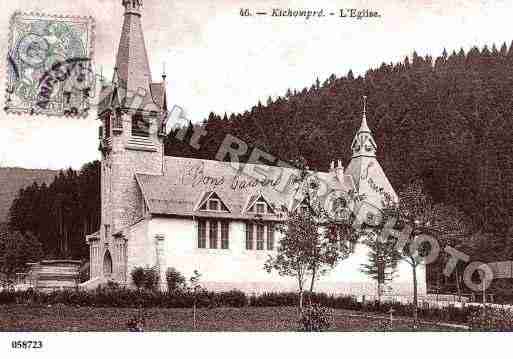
(444, 120)
(13, 179)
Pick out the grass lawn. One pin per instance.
(65, 318)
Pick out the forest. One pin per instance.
(446, 121)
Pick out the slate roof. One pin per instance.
(370, 179)
(186, 181)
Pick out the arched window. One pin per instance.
(107, 264)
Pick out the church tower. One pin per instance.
(368, 176)
(131, 109)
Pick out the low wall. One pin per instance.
(54, 274)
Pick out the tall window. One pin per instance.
(202, 234)
(225, 229)
(270, 236)
(213, 234)
(260, 237)
(249, 236)
(140, 125)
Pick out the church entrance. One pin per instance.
(107, 264)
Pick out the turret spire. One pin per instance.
(363, 143)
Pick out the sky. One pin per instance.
(219, 61)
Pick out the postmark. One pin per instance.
(50, 64)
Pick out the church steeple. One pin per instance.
(132, 65)
(363, 142)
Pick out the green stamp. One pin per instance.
(49, 65)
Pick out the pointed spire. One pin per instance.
(363, 142)
(133, 69)
(364, 127)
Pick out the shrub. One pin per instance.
(489, 318)
(151, 278)
(175, 280)
(138, 277)
(274, 300)
(7, 297)
(316, 318)
(84, 273)
(232, 298)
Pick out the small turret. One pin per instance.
(363, 142)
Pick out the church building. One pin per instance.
(216, 217)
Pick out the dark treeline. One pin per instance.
(62, 213)
(446, 121)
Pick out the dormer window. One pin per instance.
(260, 206)
(212, 202)
(140, 125)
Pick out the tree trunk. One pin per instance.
(312, 283)
(458, 284)
(300, 300)
(415, 296)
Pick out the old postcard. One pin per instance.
(255, 166)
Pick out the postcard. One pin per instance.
(232, 168)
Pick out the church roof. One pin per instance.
(186, 181)
(370, 179)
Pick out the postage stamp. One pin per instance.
(49, 64)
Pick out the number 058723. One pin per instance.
(27, 344)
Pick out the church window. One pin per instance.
(202, 234)
(213, 234)
(249, 236)
(210, 231)
(260, 237)
(140, 126)
(270, 236)
(264, 235)
(225, 229)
